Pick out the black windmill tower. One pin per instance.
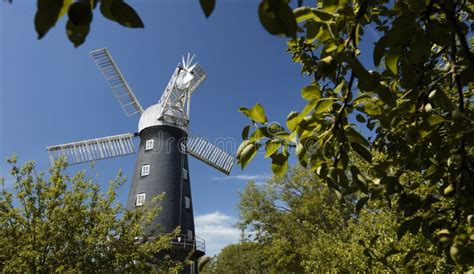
(162, 156)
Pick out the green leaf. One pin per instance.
(359, 70)
(279, 164)
(372, 109)
(274, 128)
(411, 226)
(312, 14)
(330, 47)
(355, 137)
(300, 153)
(339, 87)
(248, 151)
(358, 179)
(362, 151)
(271, 147)
(80, 13)
(360, 118)
(106, 8)
(207, 6)
(308, 108)
(431, 170)
(245, 132)
(256, 113)
(125, 15)
(357, 35)
(391, 60)
(367, 81)
(433, 120)
(323, 105)
(277, 17)
(330, 5)
(311, 92)
(65, 8)
(93, 3)
(379, 51)
(241, 148)
(257, 135)
(77, 34)
(386, 95)
(292, 120)
(361, 203)
(283, 135)
(47, 14)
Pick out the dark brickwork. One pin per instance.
(166, 162)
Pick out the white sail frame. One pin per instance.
(116, 81)
(93, 149)
(210, 154)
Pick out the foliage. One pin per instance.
(66, 224)
(80, 14)
(416, 104)
(301, 226)
(243, 257)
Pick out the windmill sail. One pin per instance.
(185, 79)
(203, 150)
(94, 149)
(199, 77)
(116, 81)
(198, 74)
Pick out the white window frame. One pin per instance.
(185, 174)
(190, 234)
(145, 170)
(187, 202)
(140, 199)
(149, 144)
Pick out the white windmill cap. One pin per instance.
(149, 118)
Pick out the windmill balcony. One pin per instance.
(182, 241)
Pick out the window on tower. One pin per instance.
(149, 144)
(140, 199)
(145, 170)
(187, 202)
(190, 234)
(185, 174)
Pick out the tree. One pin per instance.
(301, 226)
(243, 257)
(416, 102)
(64, 223)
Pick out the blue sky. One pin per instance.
(52, 93)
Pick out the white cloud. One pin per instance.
(217, 229)
(239, 177)
(257, 178)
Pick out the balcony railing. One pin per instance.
(183, 241)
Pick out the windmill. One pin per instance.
(165, 142)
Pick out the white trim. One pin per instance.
(140, 199)
(145, 170)
(149, 144)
